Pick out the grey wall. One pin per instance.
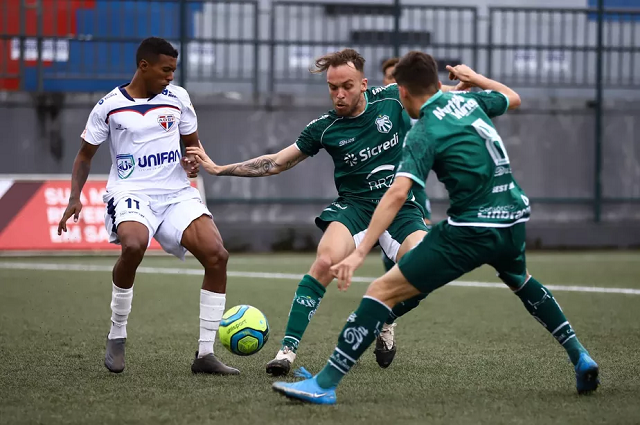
(551, 145)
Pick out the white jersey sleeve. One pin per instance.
(97, 128)
(188, 119)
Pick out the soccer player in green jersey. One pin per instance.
(363, 135)
(385, 348)
(456, 138)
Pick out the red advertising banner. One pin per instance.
(31, 208)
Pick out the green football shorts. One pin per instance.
(356, 215)
(448, 252)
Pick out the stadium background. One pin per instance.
(574, 145)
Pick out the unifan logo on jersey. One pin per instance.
(384, 124)
(125, 164)
(166, 121)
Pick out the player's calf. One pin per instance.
(541, 304)
(304, 305)
(134, 238)
(120, 308)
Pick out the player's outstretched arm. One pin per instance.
(188, 162)
(265, 165)
(81, 168)
(467, 75)
(384, 214)
(458, 87)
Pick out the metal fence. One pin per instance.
(546, 47)
(88, 45)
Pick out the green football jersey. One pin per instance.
(456, 138)
(365, 149)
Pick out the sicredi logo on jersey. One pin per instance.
(125, 163)
(368, 153)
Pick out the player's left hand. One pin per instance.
(190, 165)
(343, 271)
(464, 74)
(463, 86)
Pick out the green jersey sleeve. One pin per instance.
(385, 92)
(493, 103)
(310, 140)
(418, 155)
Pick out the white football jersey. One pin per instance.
(144, 139)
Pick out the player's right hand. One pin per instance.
(343, 271)
(203, 159)
(73, 209)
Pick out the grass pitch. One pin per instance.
(468, 355)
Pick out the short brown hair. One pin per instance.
(389, 63)
(418, 72)
(343, 57)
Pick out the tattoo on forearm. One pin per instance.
(293, 162)
(253, 168)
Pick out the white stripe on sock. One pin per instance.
(523, 285)
(565, 341)
(378, 301)
(345, 355)
(336, 366)
(559, 327)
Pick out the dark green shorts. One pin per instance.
(356, 215)
(448, 252)
(422, 200)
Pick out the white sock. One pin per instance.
(120, 309)
(211, 311)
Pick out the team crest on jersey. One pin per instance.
(167, 121)
(384, 124)
(125, 164)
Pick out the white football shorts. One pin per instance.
(166, 216)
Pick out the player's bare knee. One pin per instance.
(133, 250)
(321, 269)
(216, 259)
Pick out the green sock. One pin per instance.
(304, 305)
(404, 307)
(539, 301)
(357, 335)
(386, 262)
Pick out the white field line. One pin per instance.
(289, 276)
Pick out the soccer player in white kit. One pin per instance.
(149, 195)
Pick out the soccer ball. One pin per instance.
(243, 330)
